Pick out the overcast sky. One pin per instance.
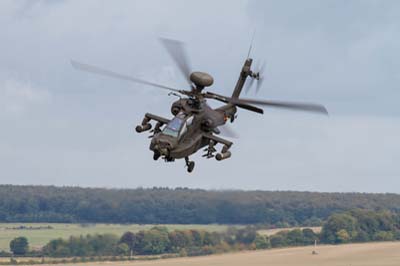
(59, 126)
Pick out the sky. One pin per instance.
(59, 126)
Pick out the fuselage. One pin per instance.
(183, 135)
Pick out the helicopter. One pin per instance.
(195, 125)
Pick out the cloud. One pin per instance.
(274, 152)
(18, 97)
(343, 53)
(69, 127)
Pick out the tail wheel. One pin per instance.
(156, 155)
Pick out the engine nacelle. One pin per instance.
(207, 124)
(176, 107)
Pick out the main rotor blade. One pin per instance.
(217, 97)
(245, 104)
(226, 99)
(108, 73)
(249, 107)
(176, 50)
(307, 107)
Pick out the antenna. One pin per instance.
(251, 44)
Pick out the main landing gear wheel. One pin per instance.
(189, 164)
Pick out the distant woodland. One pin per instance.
(181, 205)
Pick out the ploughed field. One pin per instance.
(367, 254)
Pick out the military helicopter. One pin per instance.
(195, 124)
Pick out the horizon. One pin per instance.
(202, 189)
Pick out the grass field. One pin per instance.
(39, 237)
(369, 254)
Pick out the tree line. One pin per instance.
(361, 226)
(351, 226)
(159, 240)
(180, 206)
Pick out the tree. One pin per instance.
(342, 236)
(129, 239)
(261, 242)
(397, 235)
(336, 223)
(278, 240)
(309, 236)
(123, 249)
(19, 246)
(363, 236)
(212, 239)
(155, 241)
(295, 237)
(197, 237)
(383, 236)
(101, 244)
(246, 235)
(180, 239)
(56, 248)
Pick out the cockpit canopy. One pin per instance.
(177, 127)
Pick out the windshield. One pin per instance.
(173, 127)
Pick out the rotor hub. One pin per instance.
(201, 79)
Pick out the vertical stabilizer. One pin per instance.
(246, 71)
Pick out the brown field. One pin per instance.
(370, 254)
(269, 232)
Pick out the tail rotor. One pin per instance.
(258, 75)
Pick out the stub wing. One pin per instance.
(157, 118)
(217, 139)
(214, 140)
